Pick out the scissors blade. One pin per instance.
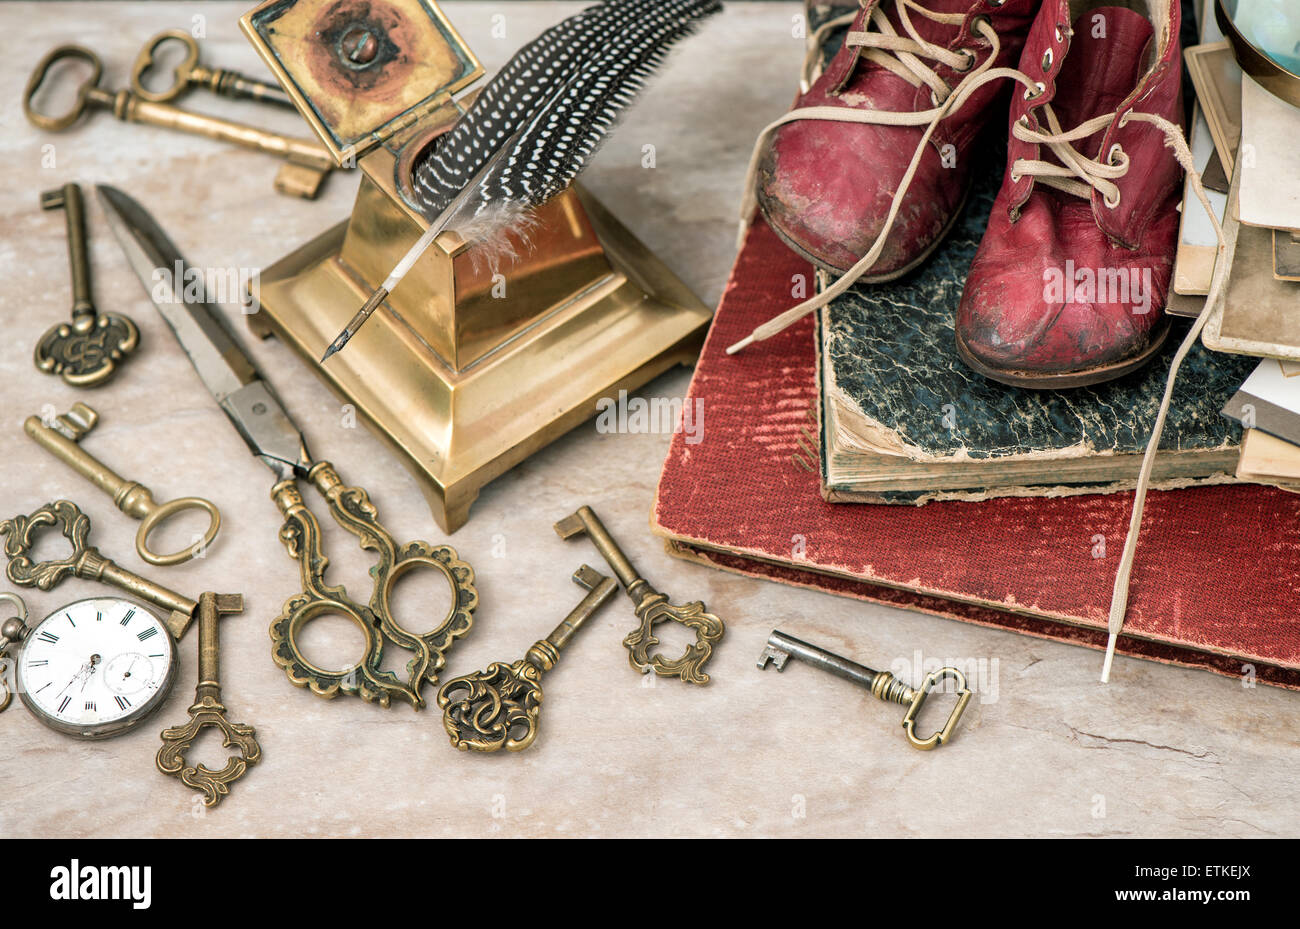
(221, 363)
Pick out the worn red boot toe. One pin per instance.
(828, 199)
(1041, 321)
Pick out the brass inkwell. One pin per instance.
(464, 372)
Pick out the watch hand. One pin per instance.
(80, 671)
(90, 671)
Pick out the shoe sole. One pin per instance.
(1038, 381)
(880, 279)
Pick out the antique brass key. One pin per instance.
(882, 684)
(498, 707)
(190, 73)
(651, 607)
(308, 161)
(134, 499)
(84, 352)
(85, 561)
(209, 711)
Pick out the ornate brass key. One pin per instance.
(85, 561)
(882, 684)
(308, 162)
(498, 707)
(134, 499)
(651, 608)
(84, 352)
(190, 73)
(209, 711)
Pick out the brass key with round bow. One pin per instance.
(308, 162)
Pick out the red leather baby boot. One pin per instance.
(1068, 286)
(825, 186)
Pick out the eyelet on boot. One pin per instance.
(970, 60)
(1038, 91)
(997, 2)
(1116, 150)
(1111, 204)
(1047, 60)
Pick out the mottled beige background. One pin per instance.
(1045, 750)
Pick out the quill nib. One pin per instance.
(357, 321)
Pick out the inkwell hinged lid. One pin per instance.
(361, 71)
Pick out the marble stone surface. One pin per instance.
(1045, 749)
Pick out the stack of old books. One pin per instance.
(1244, 144)
(855, 453)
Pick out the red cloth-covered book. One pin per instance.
(1217, 579)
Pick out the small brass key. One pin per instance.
(209, 711)
(651, 607)
(498, 707)
(134, 499)
(882, 684)
(189, 73)
(85, 561)
(308, 162)
(86, 351)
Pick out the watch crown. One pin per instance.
(13, 629)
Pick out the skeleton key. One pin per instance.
(132, 498)
(86, 351)
(308, 162)
(498, 707)
(651, 607)
(190, 73)
(85, 561)
(882, 684)
(208, 710)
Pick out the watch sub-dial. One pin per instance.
(128, 673)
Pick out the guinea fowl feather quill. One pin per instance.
(534, 74)
(549, 111)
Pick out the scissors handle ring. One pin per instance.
(180, 74)
(164, 511)
(55, 55)
(352, 510)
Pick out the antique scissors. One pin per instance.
(229, 374)
(190, 72)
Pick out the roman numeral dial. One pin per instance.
(96, 667)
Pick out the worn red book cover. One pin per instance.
(1217, 579)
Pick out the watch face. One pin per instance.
(96, 667)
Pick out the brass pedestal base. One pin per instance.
(456, 430)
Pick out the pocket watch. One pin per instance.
(91, 669)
